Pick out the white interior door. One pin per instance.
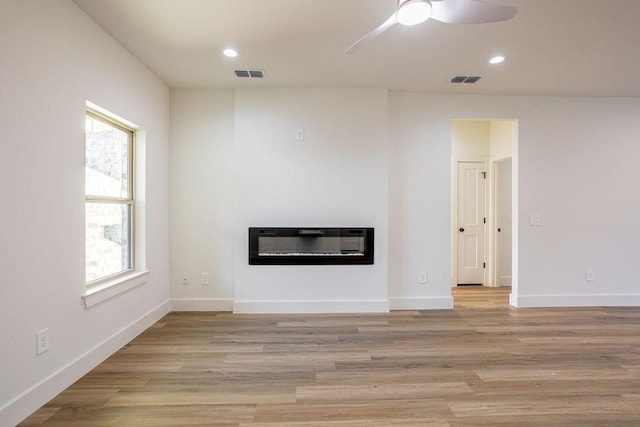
(471, 222)
(503, 223)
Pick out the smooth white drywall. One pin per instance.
(201, 193)
(336, 177)
(470, 139)
(577, 169)
(54, 59)
(236, 163)
(501, 139)
(420, 201)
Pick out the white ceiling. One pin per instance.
(553, 47)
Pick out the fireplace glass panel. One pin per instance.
(310, 246)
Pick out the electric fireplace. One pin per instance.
(310, 246)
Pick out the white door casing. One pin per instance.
(471, 222)
(503, 223)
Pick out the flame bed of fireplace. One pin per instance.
(310, 246)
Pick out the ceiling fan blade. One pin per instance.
(393, 20)
(470, 12)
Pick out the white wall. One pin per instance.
(419, 202)
(201, 193)
(336, 177)
(236, 164)
(577, 169)
(54, 59)
(502, 137)
(470, 139)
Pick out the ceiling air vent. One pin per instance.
(465, 79)
(252, 74)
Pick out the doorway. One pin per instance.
(484, 198)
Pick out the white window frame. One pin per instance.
(100, 290)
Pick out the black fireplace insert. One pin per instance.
(310, 246)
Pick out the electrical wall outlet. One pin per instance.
(589, 275)
(185, 278)
(423, 277)
(42, 341)
(204, 278)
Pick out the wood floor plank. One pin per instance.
(140, 416)
(509, 405)
(198, 397)
(382, 410)
(406, 391)
(371, 422)
(482, 363)
(397, 376)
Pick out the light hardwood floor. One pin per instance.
(483, 363)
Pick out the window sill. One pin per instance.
(100, 293)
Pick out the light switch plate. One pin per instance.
(535, 219)
(42, 341)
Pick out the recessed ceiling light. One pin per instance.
(231, 53)
(496, 59)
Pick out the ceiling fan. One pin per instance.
(412, 12)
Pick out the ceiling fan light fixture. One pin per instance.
(413, 12)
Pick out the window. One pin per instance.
(109, 202)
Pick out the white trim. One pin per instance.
(101, 111)
(493, 270)
(594, 300)
(309, 307)
(421, 303)
(98, 294)
(202, 304)
(513, 297)
(32, 399)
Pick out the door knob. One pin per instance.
(461, 229)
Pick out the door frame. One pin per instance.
(454, 217)
(494, 220)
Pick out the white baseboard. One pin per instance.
(202, 304)
(617, 300)
(309, 307)
(31, 400)
(421, 303)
